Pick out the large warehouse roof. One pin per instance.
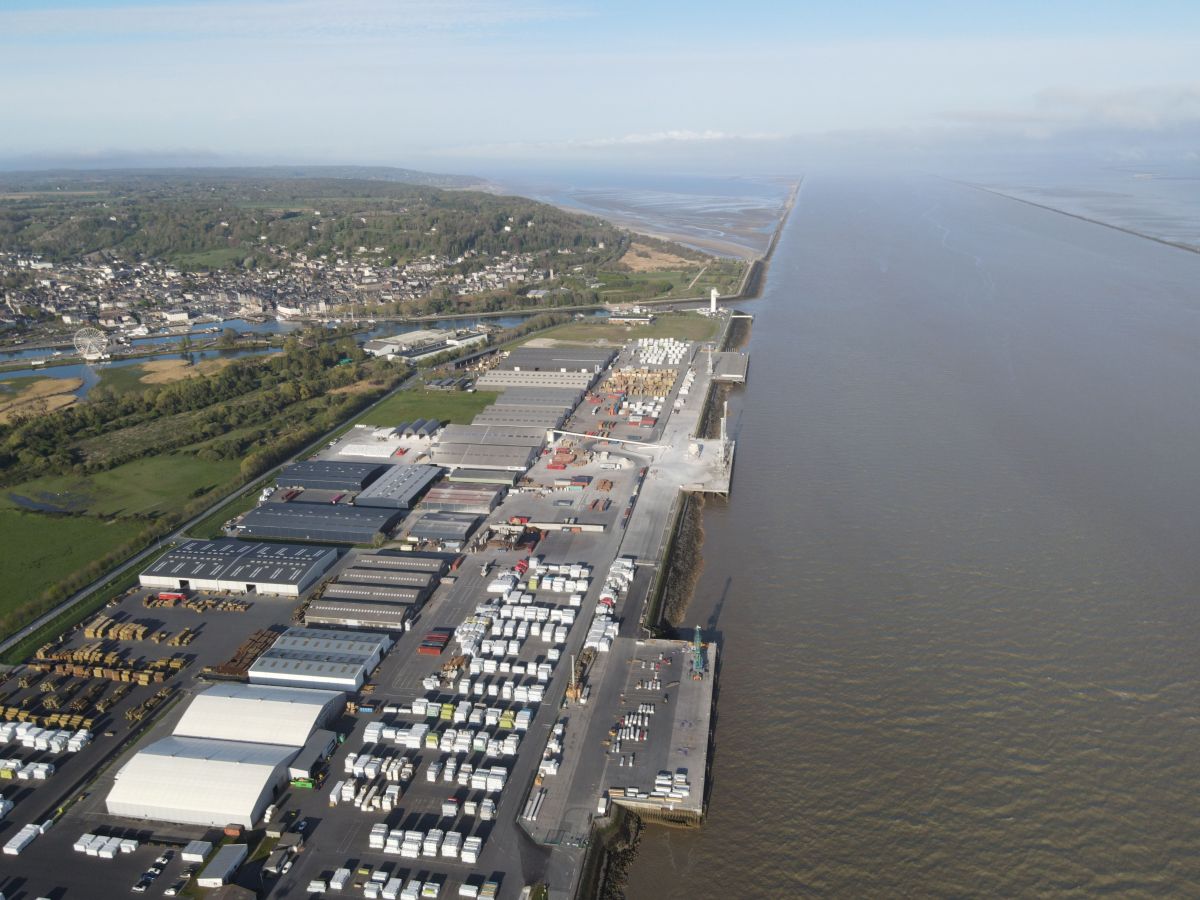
(498, 379)
(380, 592)
(556, 359)
(391, 616)
(483, 476)
(444, 526)
(493, 435)
(258, 714)
(395, 577)
(315, 657)
(474, 498)
(198, 781)
(558, 398)
(399, 487)
(241, 563)
(542, 417)
(401, 561)
(317, 522)
(323, 640)
(330, 475)
(484, 456)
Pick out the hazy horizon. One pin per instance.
(468, 87)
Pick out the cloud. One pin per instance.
(1055, 110)
(644, 140)
(673, 137)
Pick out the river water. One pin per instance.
(957, 587)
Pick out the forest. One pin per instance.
(205, 219)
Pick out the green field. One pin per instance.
(147, 486)
(210, 526)
(406, 406)
(684, 326)
(39, 548)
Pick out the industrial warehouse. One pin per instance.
(226, 759)
(391, 577)
(378, 589)
(325, 475)
(563, 368)
(350, 614)
(399, 487)
(364, 442)
(488, 447)
(328, 522)
(468, 498)
(407, 562)
(450, 529)
(316, 658)
(239, 566)
(592, 360)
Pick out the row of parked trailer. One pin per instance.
(18, 770)
(462, 712)
(388, 886)
(51, 740)
(432, 844)
(104, 847)
(25, 836)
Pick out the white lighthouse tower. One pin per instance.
(712, 302)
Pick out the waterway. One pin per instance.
(956, 587)
(90, 373)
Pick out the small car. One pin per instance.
(175, 889)
(301, 825)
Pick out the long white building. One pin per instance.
(227, 759)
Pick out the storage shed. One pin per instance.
(222, 867)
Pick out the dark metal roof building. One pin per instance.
(330, 475)
(327, 522)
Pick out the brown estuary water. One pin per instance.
(957, 586)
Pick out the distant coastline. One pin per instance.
(729, 246)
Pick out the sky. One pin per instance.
(464, 85)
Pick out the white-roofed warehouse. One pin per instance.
(196, 781)
(258, 713)
(227, 758)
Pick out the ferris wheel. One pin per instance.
(91, 343)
